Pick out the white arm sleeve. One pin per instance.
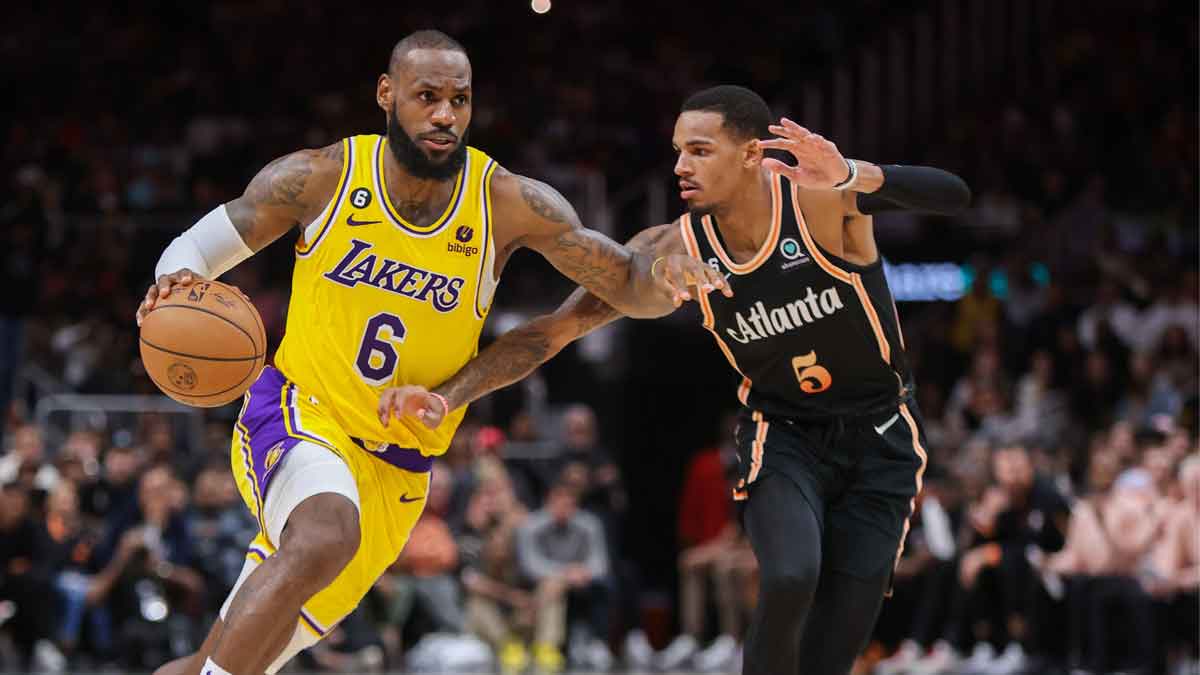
(210, 248)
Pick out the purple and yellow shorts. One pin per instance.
(391, 483)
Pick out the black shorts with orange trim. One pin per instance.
(860, 476)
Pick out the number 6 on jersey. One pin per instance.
(377, 357)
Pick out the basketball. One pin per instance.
(204, 344)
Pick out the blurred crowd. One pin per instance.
(1058, 524)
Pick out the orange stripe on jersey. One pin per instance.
(757, 448)
(899, 330)
(303, 246)
(822, 262)
(744, 390)
(920, 452)
(885, 350)
(768, 246)
(693, 248)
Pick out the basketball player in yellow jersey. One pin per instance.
(402, 238)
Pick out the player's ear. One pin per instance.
(752, 153)
(383, 92)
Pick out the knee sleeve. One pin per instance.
(306, 470)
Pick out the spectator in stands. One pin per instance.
(924, 583)
(65, 551)
(603, 493)
(24, 586)
(711, 541)
(1020, 512)
(1111, 310)
(1176, 570)
(561, 550)
(145, 576)
(112, 496)
(1111, 535)
(220, 526)
(500, 608)
(27, 456)
(502, 612)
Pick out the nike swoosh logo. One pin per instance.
(405, 499)
(355, 223)
(887, 425)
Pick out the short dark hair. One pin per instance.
(746, 113)
(423, 39)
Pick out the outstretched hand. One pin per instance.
(674, 273)
(414, 401)
(819, 163)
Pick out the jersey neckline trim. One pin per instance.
(394, 215)
(768, 247)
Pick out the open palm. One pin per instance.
(819, 164)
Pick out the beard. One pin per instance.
(415, 161)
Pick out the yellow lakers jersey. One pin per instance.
(379, 302)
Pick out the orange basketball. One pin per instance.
(203, 344)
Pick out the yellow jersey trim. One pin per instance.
(304, 248)
(437, 225)
(490, 169)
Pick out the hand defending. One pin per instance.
(819, 163)
(412, 400)
(674, 273)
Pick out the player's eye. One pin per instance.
(460, 100)
(426, 96)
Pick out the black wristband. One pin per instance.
(917, 188)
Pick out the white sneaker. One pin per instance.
(1012, 661)
(678, 653)
(718, 656)
(639, 655)
(941, 659)
(47, 658)
(597, 656)
(904, 658)
(981, 658)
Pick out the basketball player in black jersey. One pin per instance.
(830, 444)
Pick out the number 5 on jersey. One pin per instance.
(812, 377)
(377, 357)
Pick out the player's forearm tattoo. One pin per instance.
(509, 359)
(519, 352)
(590, 312)
(590, 261)
(546, 201)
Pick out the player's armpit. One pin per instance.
(288, 192)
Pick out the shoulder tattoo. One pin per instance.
(546, 202)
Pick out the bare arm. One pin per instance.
(518, 352)
(532, 214)
(288, 192)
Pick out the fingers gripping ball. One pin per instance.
(204, 344)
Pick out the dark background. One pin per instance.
(1073, 122)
